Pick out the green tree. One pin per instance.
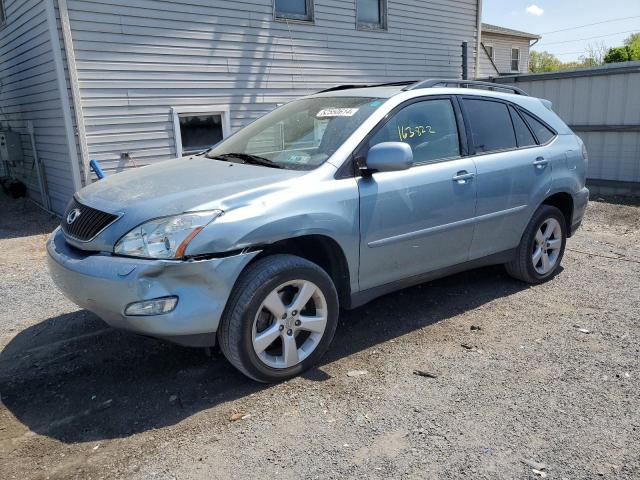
(543, 62)
(629, 51)
(632, 39)
(633, 42)
(618, 54)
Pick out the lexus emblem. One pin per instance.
(73, 216)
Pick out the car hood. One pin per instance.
(176, 186)
(179, 185)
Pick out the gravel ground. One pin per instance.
(527, 395)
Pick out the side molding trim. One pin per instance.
(441, 228)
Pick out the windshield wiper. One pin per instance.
(248, 159)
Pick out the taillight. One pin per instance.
(585, 155)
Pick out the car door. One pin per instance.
(513, 173)
(420, 219)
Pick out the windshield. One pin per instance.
(300, 135)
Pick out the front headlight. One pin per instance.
(164, 237)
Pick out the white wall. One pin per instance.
(502, 45)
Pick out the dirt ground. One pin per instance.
(530, 394)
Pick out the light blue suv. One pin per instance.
(325, 203)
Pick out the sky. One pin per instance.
(546, 17)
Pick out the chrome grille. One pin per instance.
(88, 222)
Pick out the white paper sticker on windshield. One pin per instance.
(337, 112)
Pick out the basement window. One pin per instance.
(198, 128)
(301, 10)
(371, 14)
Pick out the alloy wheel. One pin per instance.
(289, 324)
(547, 246)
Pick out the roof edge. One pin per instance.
(497, 30)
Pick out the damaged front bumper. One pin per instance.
(106, 284)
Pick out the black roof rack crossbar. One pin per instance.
(348, 86)
(464, 83)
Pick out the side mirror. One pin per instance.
(390, 157)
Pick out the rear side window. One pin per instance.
(429, 127)
(523, 134)
(543, 134)
(491, 127)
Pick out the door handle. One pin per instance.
(540, 162)
(462, 177)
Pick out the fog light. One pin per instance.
(157, 306)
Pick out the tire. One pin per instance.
(248, 321)
(524, 266)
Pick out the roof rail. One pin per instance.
(340, 87)
(464, 83)
(348, 86)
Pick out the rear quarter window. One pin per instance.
(542, 132)
(491, 126)
(523, 134)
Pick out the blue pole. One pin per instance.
(96, 168)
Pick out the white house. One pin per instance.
(505, 51)
(129, 82)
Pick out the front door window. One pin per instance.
(429, 127)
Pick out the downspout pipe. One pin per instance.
(56, 51)
(529, 56)
(465, 61)
(76, 97)
(479, 40)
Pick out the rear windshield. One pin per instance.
(300, 135)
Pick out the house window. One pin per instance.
(198, 128)
(294, 10)
(490, 52)
(371, 14)
(515, 59)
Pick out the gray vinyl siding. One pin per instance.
(502, 45)
(138, 58)
(30, 92)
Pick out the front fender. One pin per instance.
(329, 208)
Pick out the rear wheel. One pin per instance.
(280, 319)
(541, 248)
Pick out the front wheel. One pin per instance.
(280, 318)
(541, 248)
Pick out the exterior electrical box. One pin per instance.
(10, 147)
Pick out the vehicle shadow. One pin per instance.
(75, 379)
